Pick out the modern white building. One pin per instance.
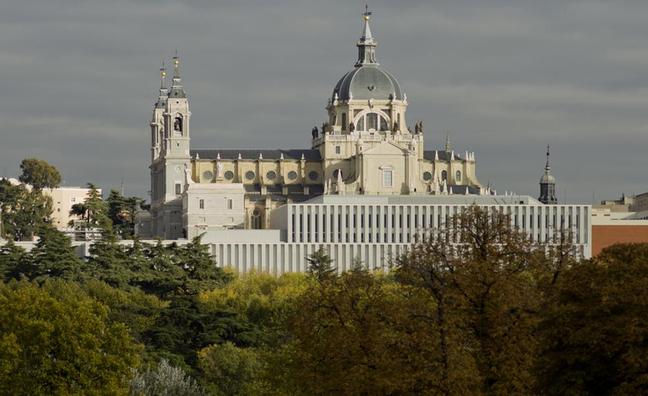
(375, 229)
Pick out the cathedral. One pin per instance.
(365, 147)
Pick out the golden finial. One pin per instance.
(367, 14)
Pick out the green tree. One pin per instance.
(56, 340)
(164, 380)
(93, 213)
(23, 211)
(11, 258)
(230, 370)
(53, 257)
(39, 173)
(355, 334)
(122, 211)
(594, 330)
(320, 265)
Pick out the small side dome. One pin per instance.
(368, 82)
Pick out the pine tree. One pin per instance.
(54, 257)
(320, 265)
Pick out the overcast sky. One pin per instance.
(505, 78)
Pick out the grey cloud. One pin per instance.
(504, 77)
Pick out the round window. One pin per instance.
(427, 176)
(229, 175)
(313, 175)
(271, 175)
(249, 175)
(208, 175)
(292, 175)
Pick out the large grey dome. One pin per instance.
(369, 81)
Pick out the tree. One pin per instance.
(354, 334)
(55, 339)
(53, 257)
(11, 258)
(484, 278)
(122, 211)
(93, 212)
(230, 370)
(164, 380)
(39, 173)
(320, 265)
(594, 330)
(23, 211)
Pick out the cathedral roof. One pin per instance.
(368, 80)
(442, 155)
(309, 155)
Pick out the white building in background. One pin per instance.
(63, 198)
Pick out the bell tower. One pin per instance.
(170, 155)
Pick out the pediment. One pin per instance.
(385, 148)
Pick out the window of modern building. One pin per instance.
(178, 188)
(458, 176)
(201, 204)
(249, 175)
(388, 177)
(338, 149)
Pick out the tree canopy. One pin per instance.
(39, 173)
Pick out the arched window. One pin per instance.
(178, 124)
(255, 219)
(361, 124)
(372, 121)
(344, 122)
(458, 176)
(444, 175)
(383, 124)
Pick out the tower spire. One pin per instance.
(177, 90)
(164, 92)
(366, 44)
(448, 146)
(548, 185)
(163, 76)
